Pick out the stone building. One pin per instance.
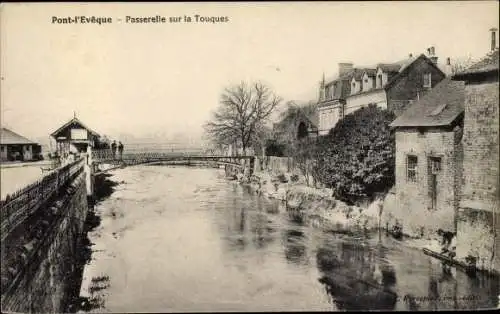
(429, 159)
(478, 217)
(298, 122)
(390, 86)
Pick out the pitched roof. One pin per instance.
(389, 67)
(343, 77)
(358, 73)
(488, 64)
(370, 72)
(406, 65)
(70, 122)
(10, 137)
(440, 107)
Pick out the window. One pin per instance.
(411, 168)
(428, 80)
(435, 164)
(379, 78)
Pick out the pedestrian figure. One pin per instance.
(113, 149)
(447, 242)
(120, 149)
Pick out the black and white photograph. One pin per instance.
(270, 156)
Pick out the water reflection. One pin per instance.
(356, 278)
(295, 246)
(247, 224)
(362, 275)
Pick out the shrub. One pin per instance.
(356, 159)
(273, 148)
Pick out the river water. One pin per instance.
(177, 239)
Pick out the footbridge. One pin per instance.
(168, 158)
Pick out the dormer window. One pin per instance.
(427, 80)
(379, 81)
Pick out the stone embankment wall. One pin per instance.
(38, 256)
(280, 178)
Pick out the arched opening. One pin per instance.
(302, 131)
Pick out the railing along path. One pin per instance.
(18, 206)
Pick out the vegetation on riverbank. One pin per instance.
(355, 160)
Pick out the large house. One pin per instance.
(429, 158)
(16, 147)
(390, 86)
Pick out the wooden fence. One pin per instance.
(18, 206)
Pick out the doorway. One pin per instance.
(434, 172)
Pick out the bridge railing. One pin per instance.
(107, 155)
(18, 206)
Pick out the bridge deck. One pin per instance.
(150, 158)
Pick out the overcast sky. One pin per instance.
(144, 79)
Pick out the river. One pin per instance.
(177, 239)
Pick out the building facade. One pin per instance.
(14, 147)
(390, 86)
(478, 230)
(74, 138)
(429, 157)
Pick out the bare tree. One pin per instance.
(242, 114)
(460, 64)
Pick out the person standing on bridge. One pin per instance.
(113, 149)
(120, 149)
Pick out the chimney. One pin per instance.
(322, 89)
(432, 54)
(493, 38)
(447, 67)
(344, 68)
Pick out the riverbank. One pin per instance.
(78, 301)
(317, 205)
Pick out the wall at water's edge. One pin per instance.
(46, 284)
(476, 238)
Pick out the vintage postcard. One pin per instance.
(249, 156)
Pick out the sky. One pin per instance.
(164, 80)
